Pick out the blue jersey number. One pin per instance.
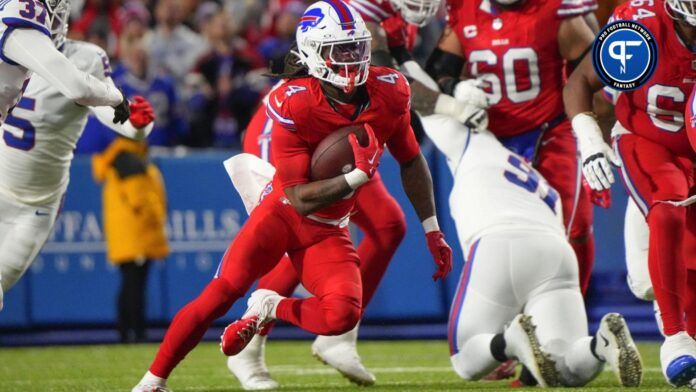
(528, 179)
(26, 142)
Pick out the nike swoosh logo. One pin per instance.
(606, 341)
(40, 213)
(371, 160)
(277, 102)
(547, 141)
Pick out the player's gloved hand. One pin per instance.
(442, 253)
(121, 111)
(366, 158)
(470, 91)
(473, 116)
(395, 30)
(595, 153)
(141, 112)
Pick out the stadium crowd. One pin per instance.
(200, 63)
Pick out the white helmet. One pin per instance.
(334, 44)
(682, 9)
(58, 15)
(417, 12)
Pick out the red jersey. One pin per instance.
(516, 52)
(303, 116)
(691, 120)
(655, 111)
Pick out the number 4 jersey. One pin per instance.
(16, 14)
(39, 137)
(516, 52)
(655, 111)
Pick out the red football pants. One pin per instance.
(557, 161)
(651, 173)
(382, 221)
(323, 256)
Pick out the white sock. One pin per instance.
(579, 366)
(151, 379)
(475, 360)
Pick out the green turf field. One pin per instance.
(398, 365)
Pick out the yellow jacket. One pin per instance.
(134, 202)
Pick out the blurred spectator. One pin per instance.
(98, 18)
(225, 99)
(282, 34)
(174, 47)
(135, 22)
(133, 76)
(134, 209)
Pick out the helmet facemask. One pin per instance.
(682, 10)
(334, 44)
(417, 12)
(58, 16)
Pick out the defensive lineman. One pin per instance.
(39, 137)
(25, 29)
(519, 269)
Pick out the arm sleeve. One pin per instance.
(291, 157)
(403, 144)
(49, 63)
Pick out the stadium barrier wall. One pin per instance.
(72, 284)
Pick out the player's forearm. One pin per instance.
(423, 98)
(418, 185)
(578, 91)
(313, 196)
(105, 115)
(35, 51)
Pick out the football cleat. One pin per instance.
(523, 344)
(615, 345)
(250, 368)
(678, 359)
(341, 353)
(503, 372)
(260, 309)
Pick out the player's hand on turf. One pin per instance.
(121, 111)
(595, 153)
(141, 112)
(366, 158)
(441, 252)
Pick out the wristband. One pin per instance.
(446, 105)
(356, 178)
(430, 224)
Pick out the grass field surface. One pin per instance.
(398, 365)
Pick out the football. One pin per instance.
(334, 155)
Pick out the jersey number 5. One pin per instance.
(26, 142)
(518, 86)
(527, 178)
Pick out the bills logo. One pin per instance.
(310, 19)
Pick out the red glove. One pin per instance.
(442, 253)
(395, 29)
(366, 158)
(598, 198)
(141, 112)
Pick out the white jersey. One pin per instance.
(41, 133)
(16, 14)
(494, 189)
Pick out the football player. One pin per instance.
(519, 48)
(25, 28)
(307, 219)
(377, 214)
(39, 137)
(656, 162)
(519, 295)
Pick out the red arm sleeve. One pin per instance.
(403, 144)
(291, 157)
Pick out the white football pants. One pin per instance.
(513, 272)
(23, 231)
